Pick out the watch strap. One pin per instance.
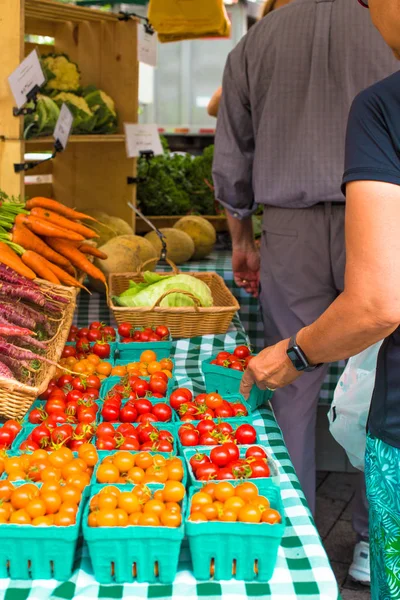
(298, 358)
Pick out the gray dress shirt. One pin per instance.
(287, 91)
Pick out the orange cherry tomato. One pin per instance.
(143, 460)
(124, 461)
(169, 518)
(20, 517)
(148, 356)
(22, 495)
(119, 371)
(129, 502)
(166, 364)
(247, 490)
(64, 519)
(36, 508)
(104, 368)
(149, 519)
(271, 516)
(224, 490)
(154, 506)
(249, 514)
(107, 502)
(198, 516)
(136, 475)
(201, 498)
(53, 501)
(107, 473)
(134, 518)
(174, 491)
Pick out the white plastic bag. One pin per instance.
(348, 414)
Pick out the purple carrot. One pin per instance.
(21, 354)
(25, 341)
(12, 313)
(15, 331)
(10, 276)
(22, 293)
(16, 366)
(29, 312)
(56, 297)
(5, 372)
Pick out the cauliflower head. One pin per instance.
(62, 74)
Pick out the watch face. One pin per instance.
(296, 359)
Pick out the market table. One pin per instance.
(302, 571)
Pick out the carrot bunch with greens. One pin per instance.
(43, 238)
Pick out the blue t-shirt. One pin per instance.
(373, 153)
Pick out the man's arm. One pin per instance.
(369, 308)
(213, 105)
(245, 254)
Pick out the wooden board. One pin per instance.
(94, 169)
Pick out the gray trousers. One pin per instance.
(302, 272)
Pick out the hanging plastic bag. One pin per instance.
(188, 19)
(349, 411)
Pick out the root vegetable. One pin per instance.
(21, 354)
(59, 221)
(27, 239)
(5, 372)
(57, 207)
(12, 260)
(14, 330)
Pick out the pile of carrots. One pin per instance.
(43, 238)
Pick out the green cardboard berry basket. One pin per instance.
(133, 553)
(243, 551)
(232, 399)
(103, 453)
(109, 383)
(227, 381)
(274, 471)
(28, 552)
(235, 422)
(171, 427)
(131, 352)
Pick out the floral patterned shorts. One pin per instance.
(382, 475)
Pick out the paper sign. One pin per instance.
(140, 138)
(25, 77)
(147, 46)
(63, 126)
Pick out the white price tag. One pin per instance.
(140, 138)
(147, 46)
(25, 77)
(63, 126)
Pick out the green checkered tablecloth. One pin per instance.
(302, 571)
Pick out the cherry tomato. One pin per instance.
(83, 344)
(189, 437)
(214, 400)
(13, 426)
(74, 395)
(102, 350)
(127, 430)
(109, 333)
(95, 335)
(232, 449)
(79, 383)
(201, 399)
(106, 442)
(125, 330)
(130, 443)
(224, 411)
(86, 414)
(256, 451)
(36, 416)
(40, 435)
(141, 387)
(105, 429)
(128, 413)
(6, 438)
(207, 472)
(62, 434)
(241, 352)
(162, 411)
(238, 409)
(198, 459)
(225, 473)
(162, 331)
(54, 405)
(224, 428)
(237, 366)
(82, 333)
(245, 434)
(110, 412)
(64, 380)
(220, 456)
(143, 406)
(206, 439)
(180, 396)
(206, 426)
(259, 468)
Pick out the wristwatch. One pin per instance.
(298, 358)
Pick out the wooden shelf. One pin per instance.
(48, 10)
(80, 139)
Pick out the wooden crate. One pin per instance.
(93, 170)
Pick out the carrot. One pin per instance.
(76, 257)
(59, 221)
(11, 259)
(57, 207)
(43, 228)
(37, 262)
(92, 251)
(27, 239)
(62, 275)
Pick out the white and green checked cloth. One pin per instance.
(302, 570)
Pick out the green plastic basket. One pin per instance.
(232, 399)
(29, 552)
(103, 453)
(274, 477)
(133, 553)
(171, 427)
(109, 383)
(235, 422)
(131, 352)
(243, 551)
(227, 381)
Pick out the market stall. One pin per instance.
(302, 569)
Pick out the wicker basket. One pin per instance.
(182, 321)
(15, 397)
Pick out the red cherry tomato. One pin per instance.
(106, 443)
(224, 411)
(141, 387)
(79, 383)
(233, 450)
(126, 430)
(83, 345)
(241, 352)
(125, 330)
(180, 396)
(128, 413)
(162, 411)
(206, 426)
(109, 334)
(147, 418)
(225, 474)
(62, 434)
(102, 349)
(143, 406)
(238, 409)
(256, 452)
(197, 460)
(82, 333)
(69, 351)
(41, 436)
(189, 437)
(95, 335)
(158, 386)
(110, 412)
(207, 472)
(207, 440)
(74, 395)
(6, 438)
(220, 456)
(237, 366)
(245, 434)
(105, 429)
(130, 443)
(259, 468)
(162, 331)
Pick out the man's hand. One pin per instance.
(246, 269)
(270, 369)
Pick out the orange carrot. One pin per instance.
(27, 239)
(37, 262)
(92, 251)
(11, 259)
(43, 228)
(76, 257)
(59, 221)
(57, 207)
(63, 275)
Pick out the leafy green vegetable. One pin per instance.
(43, 120)
(154, 286)
(176, 184)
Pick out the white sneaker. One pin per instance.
(359, 568)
